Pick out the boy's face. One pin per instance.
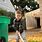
(18, 15)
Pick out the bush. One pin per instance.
(5, 13)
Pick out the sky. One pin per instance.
(7, 5)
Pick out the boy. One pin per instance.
(19, 25)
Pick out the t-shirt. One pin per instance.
(19, 25)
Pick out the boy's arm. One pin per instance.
(24, 24)
(13, 25)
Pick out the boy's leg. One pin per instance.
(23, 34)
(17, 38)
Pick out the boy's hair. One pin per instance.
(20, 11)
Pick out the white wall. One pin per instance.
(30, 18)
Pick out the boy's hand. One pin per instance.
(18, 32)
(20, 35)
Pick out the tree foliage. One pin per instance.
(5, 13)
(26, 5)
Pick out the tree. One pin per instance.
(26, 5)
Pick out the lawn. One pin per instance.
(36, 37)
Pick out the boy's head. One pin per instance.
(18, 14)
